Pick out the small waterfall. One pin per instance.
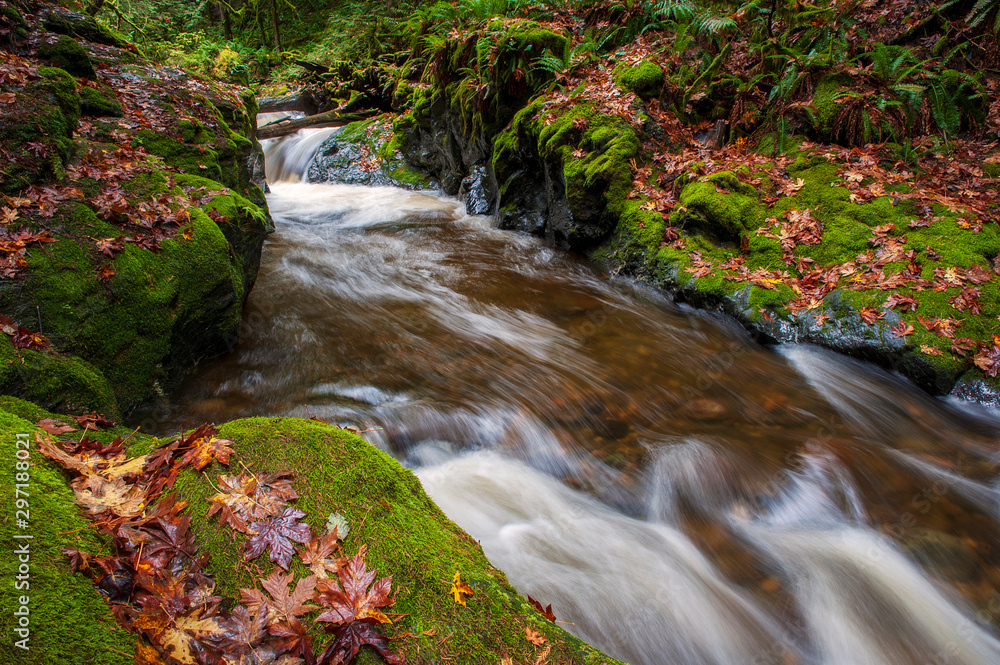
(288, 158)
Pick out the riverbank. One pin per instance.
(814, 219)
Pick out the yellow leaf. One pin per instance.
(460, 588)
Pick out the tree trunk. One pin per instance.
(227, 25)
(274, 26)
(328, 119)
(94, 7)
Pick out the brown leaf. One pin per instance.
(316, 554)
(54, 426)
(544, 611)
(92, 421)
(356, 601)
(534, 636)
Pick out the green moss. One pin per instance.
(726, 216)
(406, 534)
(70, 622)
(181, 302)
(67, 53)
(58, 383)
(824, 102)
(94, 102)
(536, 41)
(62, 87)
(644, 79)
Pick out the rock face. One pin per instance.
(364, 153)
(148, 182)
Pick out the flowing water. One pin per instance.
(678, 492)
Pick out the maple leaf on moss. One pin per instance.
(355, 601)
(460, 589)
(242, 632)
(276, 534)
(92, 421)
(117, 496)
(245, 498)
(316, 554)
(188, 636)
(203, 447)
(354, 610)
(284, 604)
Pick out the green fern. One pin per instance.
(983, 12)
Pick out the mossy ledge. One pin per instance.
(406, 535)
(124, 325)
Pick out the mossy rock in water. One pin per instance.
(644, 79)
(160, 312)
(565, 177)
(67, 53)
(69, 621)
(406, 534)
(55, 381)
(347, 157)
(98, 102)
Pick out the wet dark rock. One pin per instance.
(474, 190)
(348, 161)
(63, 21)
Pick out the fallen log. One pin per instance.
(300, 101)
(328, 119)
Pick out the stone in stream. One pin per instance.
(705, 409)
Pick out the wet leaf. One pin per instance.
(54, 426)
(276, 535)
(544, 611)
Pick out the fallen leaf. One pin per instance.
(459, 589)
(534, 636)
(544, 611)
(276, 534)
(54, 426)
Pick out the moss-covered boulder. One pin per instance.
(68, 54)
(38, 128)
(159, 312)
(157, 220)
(406, 534)
(644, 79)
(63, 21)
(98, 101)
(365, 153)
(387, 512)
(583, 157)
(57, 382)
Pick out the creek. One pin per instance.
(679, 493)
